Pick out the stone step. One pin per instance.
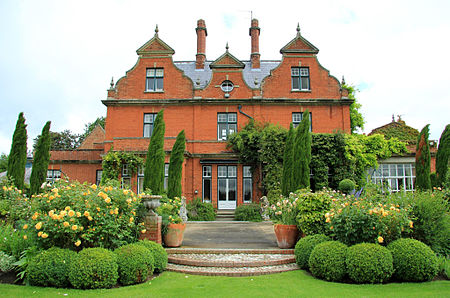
(180, 250)
(227, 271)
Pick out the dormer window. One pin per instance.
(227, 86)
(300, 78)
(154, 79)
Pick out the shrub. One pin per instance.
(14, 241)
(6, 262)
(444, 267)
(369, 263)
(135, 263)
(94, 268)
(413, 260)
(248, 212)
(19, 205)
(51, 267)
(200, 211)
(346, 186)
(327, 261)
(158, 252)
(312, 208)
(305, 246)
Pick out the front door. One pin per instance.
(227, 187)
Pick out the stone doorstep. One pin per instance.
(289, 251)
(231, 272)
(231, 264)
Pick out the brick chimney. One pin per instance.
(201, 44)
(254, 33)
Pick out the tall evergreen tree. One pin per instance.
(154, 164)
(288, 158)
(423, 158)
(443, 156)
(18, 154)
(302, 154)
(40, 160)
(176, 166)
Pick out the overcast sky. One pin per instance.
(57, 57)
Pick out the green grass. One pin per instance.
(288, 284)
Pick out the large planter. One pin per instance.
(287, 235)
(174, 235)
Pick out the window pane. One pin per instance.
(295, 83)
(147, 130)
(222, 171)
(400, 171)
(385, 170)
(247, 172)
(295, 71)
(393, 171)
(166, 170)
(296, 117)
(150, 84)
(231, 189)
(222, 117)
(151, 72)
(222, 186)
(222, 131)
(305, 83)
(166, 182)
(159, 84)
(232, 128)
(207, 171)
(125, 170)
(206, 189)
(148, 118)
(232, 117)
(304, 71)
(247, 190)
(232, 171)
(140, 184)
(159, 72)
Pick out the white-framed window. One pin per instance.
(98, 177)
(300, 78)
(52, 175)
(154, 79)
(395, 177)
(297, 117)
(149, 120)
(227, 86)
(166, 175)
(247, 184)
(206, 183)
(226, 124)
(126, 177)
(140, 177)
(227, 183)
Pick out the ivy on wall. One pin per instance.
(114, 161)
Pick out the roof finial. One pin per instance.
(343, 80)
(393, 118)
(156, 30)
(298, 29)
(111, 84)
(227, 47)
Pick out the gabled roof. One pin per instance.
(227, 61)
(96, 136)
(155, 46)
(299, 45)
(397, 129)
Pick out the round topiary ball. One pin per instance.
(413, 260)
(94, 268)
(304, 247)
(51, 267)
(135, 263)
(346, 186)
(159, 254)
(369, 263)
(327, 260)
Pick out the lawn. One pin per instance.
(288, 284)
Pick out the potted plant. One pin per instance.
(283, 214)
(173, 226)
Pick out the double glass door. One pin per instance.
(227, 187)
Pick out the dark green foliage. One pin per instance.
(12, 240)
(51, 268)
(200, 211)
(443, 157)
(135, 262)
(248, 212)
(41, 160)
(413, 260)
(431, 221)
(369, 263)
(3, 162)
(18, 154)
(113, 162)
(94, 268)
(159, 254)
(302, 154)
(176, 166)
(346, 186)
(305, 246)
(398, 129)
(444, 267)
(327, 261)
(312, 208)
(64, 140)
(154, 164)
(423, 158)
(288, 163)
(356, 118)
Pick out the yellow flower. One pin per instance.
(78, 214)
(131, 219)
(35, 216)
(25, 237)
(125, 191)
(86, 213)
(411, 224)
(44, 235)
(51, 213)
(62, 213)
(71, 213)
(94, 187)
(5, 188)
(39, 234)
(38, 226)
(143, 231)
(81, 228)
(55, 190)
(25, 226)
(98, 208)
(380, 239)
(111, 212)
(67, 208)
(78, 243)
(108, 200)
(74, 227)
(116, 211)
(66, 224)
(90, 218)
(129, 200)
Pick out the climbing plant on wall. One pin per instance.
(114, 161)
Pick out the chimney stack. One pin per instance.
(201, 44)
(254, 33)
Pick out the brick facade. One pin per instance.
(192, 98)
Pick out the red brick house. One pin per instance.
(209, 100)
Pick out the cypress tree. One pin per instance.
(302, 154)
(287, 174)
(18, 154)
(176, 166)
(154, 164)
(41, 160)
(442, 156)
(423, 181)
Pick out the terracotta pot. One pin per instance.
(287, 235)
(174, 235)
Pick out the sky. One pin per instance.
(57, 57)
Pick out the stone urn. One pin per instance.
(151, 202)
(287, 235)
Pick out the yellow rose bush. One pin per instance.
(73, 215)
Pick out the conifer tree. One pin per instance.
(302, 154)
(40, 160)
(423, 181)
(176, 166)
(154, 164)
(288, 158)
(443, 156)
(18, 154)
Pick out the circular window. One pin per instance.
(227, 86)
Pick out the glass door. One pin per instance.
(226, 187)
